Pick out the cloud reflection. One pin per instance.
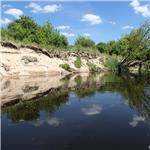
(136, 120)
(92, 110)
(54, 121)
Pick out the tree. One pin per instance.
(85, 42)
(112, 47)
(23, 29)
(137, 46)
(102, 47)
(26, 30)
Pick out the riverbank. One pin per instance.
(25, 60)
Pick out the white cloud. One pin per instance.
(144, 10)
(45, 9)
(92, 19)
(62, 27)
(35, 7)
(67, 34)
(51, 8)
(5, 21)
(6, 6)
(92, 110)
(14, 12)
(127, 27)
(136, 120)
(86, 34)
(112, 22)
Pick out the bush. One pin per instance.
(85, 42)
(92, 66)
(65, 66)
(112, 64)
(26, 30)
(78, 63)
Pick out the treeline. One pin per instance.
(26, 30)
(132, 47)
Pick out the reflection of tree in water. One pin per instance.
(87, 88)
(30, 110)
(134, 90)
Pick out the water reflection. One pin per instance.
(133, 89)
(53, 121)
(98, 111)
(92, 110)
(136, 120)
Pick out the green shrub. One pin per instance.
(65, 66)
(78, 63)
(92, 66)
(26, 30)
(85, 42)
(112, 64)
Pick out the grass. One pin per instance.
(65, 66)
(78, 63)
(111, 63)
(92, 66)
(52, 49)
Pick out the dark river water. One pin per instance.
(95, 112)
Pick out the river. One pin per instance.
(76, 112)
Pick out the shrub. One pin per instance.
(78, 63)
(112, 64)
(85, 42)
(26, 30)
(92, 66)
(65, 66)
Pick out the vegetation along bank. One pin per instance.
(30, 49)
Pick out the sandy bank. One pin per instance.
(31, 61)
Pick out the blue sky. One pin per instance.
(101, 21)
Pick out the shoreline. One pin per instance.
(25, 60)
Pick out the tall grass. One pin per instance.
(112, 63)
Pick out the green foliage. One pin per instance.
(27, 31)
(92, 66)
(133, 46)
(102, 47)
(110, 48)
(65, 66)
(112, 63)
(23, 29)
(78, 63)
(85, 42)
(136, 45)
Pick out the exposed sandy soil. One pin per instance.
(26, 61)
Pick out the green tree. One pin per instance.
(112, 47)
(23, 29)
(26, 30)
(137, 46)
(85, 42)
(102, 47)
